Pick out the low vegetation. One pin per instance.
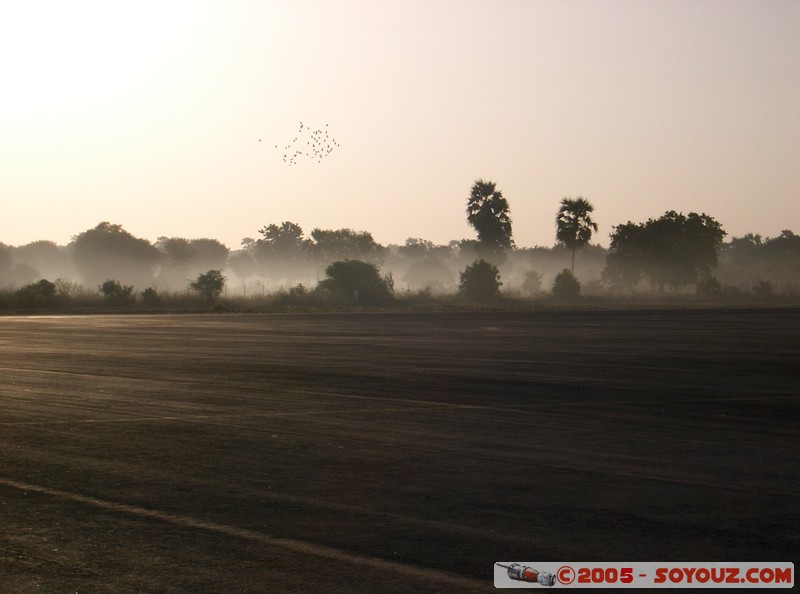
(673, 258)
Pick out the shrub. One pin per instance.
(480, 281)
(150, 297)
(116, 293)
(566, 286)
(39, 294)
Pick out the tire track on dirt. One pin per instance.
(290, 544)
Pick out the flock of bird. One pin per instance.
(318, 145)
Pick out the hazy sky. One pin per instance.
(149, 114)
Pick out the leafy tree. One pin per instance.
(209, 284)
(574, 224)
(177, 251)
(357, 281)
(177, 256)
(674, 250)
(185, 258)
(423, 249)
(108, 251)
(287, 236)
(750, 259)
(416, 248)
(566, 286)
(426, 265)
(627, 256)
(329, 245)
(489, 214)
(116, 293)
(209, 254)
(282, 252)
(480, 281)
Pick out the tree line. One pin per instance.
(674, 252)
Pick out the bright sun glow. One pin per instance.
(63, 60)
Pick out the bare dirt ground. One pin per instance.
(390, 452)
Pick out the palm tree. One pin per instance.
(574, 225)
(489, 214)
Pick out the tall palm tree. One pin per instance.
(489, 214)
(574, 225)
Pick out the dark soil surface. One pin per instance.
(390, 451)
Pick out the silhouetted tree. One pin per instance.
(108, 251)
(423, 249)
(177, 251)
(425, 265)
(489, 214)
(354, 280)
(209, 254)
(627, 256)
(344, 244)
(209, 284)
(287, 236)
(574, 224)
(177, 255)
(751, 260)
(566, 286)
(416, 248)
(674, 250)
(480, 281)
(185, 258)
(282, 252)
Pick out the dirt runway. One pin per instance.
(390, 451)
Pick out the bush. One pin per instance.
(566, 286)
(150, 297)
(39, 294)
(480, 281)
(116, 293)
(357, 281)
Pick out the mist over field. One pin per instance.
(284, 258)
(263, 327)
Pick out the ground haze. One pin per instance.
(390, 451)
